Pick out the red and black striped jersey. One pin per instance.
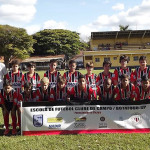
(59, 94)
(142, 94)
(87, 93)
(71, 79)
(10, 97)
(52, 77)
(124, 94)
(101, 77)
(138, 74)
(106, 95)
(35, 80)
(91, 80)
(43, 95)
(119, 71)
(16, 79)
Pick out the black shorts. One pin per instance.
(8, 105)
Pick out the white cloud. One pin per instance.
(136, 17)
(33, 29)
(118, 6)
(51, 24)
(17, 10)
(19, 2)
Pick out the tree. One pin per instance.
(58, 41)
(14, 43)
(124, 28)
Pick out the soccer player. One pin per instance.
(90, 77)
(143, 91)
(72, 75)
(43, 92)
(140, 71)
(105, 74)
(31, 76)
(8, 99)
(106, 92)
(60, 92)
(82, 92)
(28, 95)
(16, 77)
(123, 69)
(52, 74)
(125, 90)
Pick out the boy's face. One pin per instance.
(125, 82)
(89, 69)
(15, 67)
(72, 66)
(8, 89)
(106, 67)
(44, 86)
(145, 84)
(28, 90)
(53, 66)
(31, 69)
(82, 82)
(143, 63)
(107, 84)
(123, 63)
(61, 85)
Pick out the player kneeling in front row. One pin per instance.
(143, 91)
(125, 90)
(43, 92)
(8, 99)
(60, 92)
(82, 92)
(106, 92)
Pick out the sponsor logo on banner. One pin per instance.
(54, 120)
(102, 125)
(54, 126)
(37, 120)
(79, 125)
(136, 119)
(102, 118)
(80, 119)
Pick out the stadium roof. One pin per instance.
(121, 34)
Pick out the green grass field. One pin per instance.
(75, 142)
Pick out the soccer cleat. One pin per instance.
(14, 131)
(6, 131)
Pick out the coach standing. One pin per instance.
(3, 72)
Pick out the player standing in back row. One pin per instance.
(52, 74)
(141, 71)
(123, 69)
(72, 75)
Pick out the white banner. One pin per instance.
(48, 119)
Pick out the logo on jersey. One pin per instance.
(37, 120)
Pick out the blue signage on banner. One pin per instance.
(37, 120)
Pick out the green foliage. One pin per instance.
(124, 28)
(58, 41)
(15, 43)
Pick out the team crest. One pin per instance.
(136, 119)
(37, 120)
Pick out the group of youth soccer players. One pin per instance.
(122, 84)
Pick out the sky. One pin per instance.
(82, 16)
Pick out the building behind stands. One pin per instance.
(112, 44)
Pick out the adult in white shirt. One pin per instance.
(3, 72)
